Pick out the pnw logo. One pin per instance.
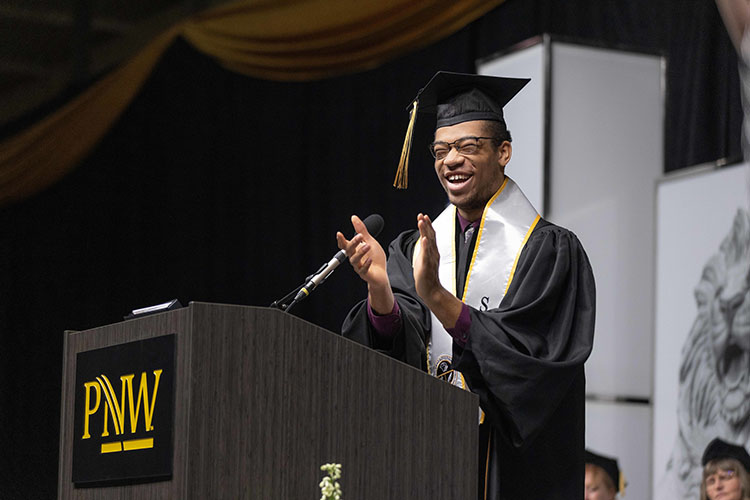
(129, 413)
(124, 411)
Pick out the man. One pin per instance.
(489, 297)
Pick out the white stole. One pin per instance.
(507, 222)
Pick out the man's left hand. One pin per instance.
(426, 277)
(440, 301)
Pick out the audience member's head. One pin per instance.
(603, 478)
(725, 472)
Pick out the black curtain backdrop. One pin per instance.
(222, 188)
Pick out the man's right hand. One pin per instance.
(367, 258)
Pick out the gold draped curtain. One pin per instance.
(284, 40)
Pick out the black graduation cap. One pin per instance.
(609, 465)
(718, 449)
(457, 98)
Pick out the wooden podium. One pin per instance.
(262, 399)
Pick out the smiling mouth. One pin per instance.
(458, 178)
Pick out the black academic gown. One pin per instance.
(524, 359)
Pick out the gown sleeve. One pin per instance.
(408, 345)
(523, 357)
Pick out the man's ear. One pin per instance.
(504, 152)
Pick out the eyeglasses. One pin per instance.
(465, 146)
(724, 475)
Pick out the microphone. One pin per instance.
(374, 224)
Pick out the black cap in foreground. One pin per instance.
(609, 465)
(719, 449)
(457, 98)
(462, 97)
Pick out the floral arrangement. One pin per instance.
(330, 488)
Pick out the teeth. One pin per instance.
(454, 178)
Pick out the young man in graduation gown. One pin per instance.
(488, 296)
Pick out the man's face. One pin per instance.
(471, 179)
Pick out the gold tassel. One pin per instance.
(622, 485)
(402, 174)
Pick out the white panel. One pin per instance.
(524, 115)
(695, 214)
(622, 430)
(606, 156)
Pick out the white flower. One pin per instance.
(329, 487)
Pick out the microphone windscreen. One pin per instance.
(374, 224)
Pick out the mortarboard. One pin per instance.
(718, 449)
(456, 98)
(609, 465)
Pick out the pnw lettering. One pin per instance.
(123, 414)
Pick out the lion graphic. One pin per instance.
(714, 379)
